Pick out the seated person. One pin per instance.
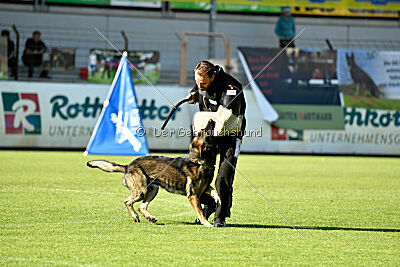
(11, 59)
(33, 54)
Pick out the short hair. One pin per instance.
(36, 32)
(5, 33)
(205, 67)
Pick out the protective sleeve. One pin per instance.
(231, 99)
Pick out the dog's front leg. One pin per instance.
(213, 193)
(194, 200)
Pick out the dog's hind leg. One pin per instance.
(194, 200)
(152, 191)
(137, 186)
(129, 204)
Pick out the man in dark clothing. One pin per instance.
(216, 88)
(12, 61)
(33, 54)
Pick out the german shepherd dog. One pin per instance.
(189, 175)
(361, 78)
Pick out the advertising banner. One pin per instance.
(253, 5)
(36, 114)
(136, 3)
(345, 12)
(81, 2)
(309, 117)
(62, 58)
(103, 64)
(61, 115)
(205, 6)
(349, 4)
(366, 131)
(296, 10)
(299, 84)
(369, 79)
(369, 84)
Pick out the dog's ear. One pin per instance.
(209, 128)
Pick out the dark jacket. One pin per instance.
(34, 46)
(285, 27)
(226, 91)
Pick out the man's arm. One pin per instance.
(278, 30)
(43, 48)
(28, 47)
(193, 97)
(293, 28)
(11, 44)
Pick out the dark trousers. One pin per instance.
(284, 42)
(12, 64)
(224, 182)
(31, 61)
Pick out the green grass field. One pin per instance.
(348, 208)
(371, 103)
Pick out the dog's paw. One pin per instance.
(216, 197)
(135, 219)
(207, 224)
(152, 219)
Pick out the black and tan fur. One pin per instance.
(361, 79)
(189, 175)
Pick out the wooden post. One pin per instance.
(184, 42)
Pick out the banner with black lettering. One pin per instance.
(63, 115)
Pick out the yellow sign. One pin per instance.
(339, 4)
(345, 12)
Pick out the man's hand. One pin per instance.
(191, 98)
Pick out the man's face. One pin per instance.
(202, 80)
(36, 37)
(286, 14)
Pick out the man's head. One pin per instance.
(204, 74)
(5, 33)
(36, 36)
(286, 11)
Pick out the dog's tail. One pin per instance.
(106, 166)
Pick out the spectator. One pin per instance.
(285, 28)
(107, 66)
(11, 59)
(92, 63)
(33, 55)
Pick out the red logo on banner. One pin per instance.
(21, 113)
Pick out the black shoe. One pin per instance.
(219, 222)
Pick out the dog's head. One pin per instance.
(350, 60)
(203, 145)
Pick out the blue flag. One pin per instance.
(119, 130)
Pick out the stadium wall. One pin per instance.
(63, 115)
(151, 30)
